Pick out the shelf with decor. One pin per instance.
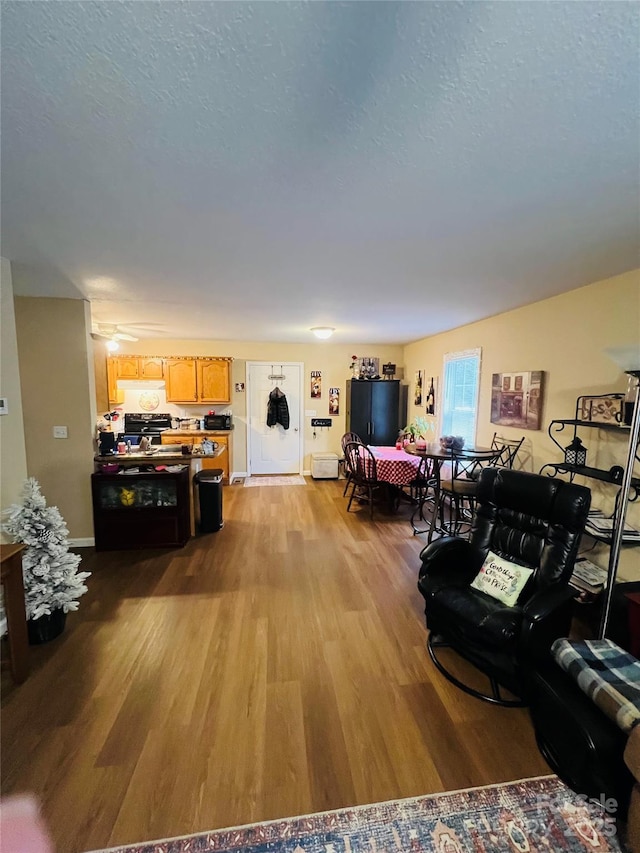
(608, 412)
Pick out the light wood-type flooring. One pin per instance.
(277, 667)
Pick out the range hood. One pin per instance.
(140, 384)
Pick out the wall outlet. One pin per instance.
(60, 432)
(4, 406)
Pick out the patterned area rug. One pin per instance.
(287, 480)
(531, 815)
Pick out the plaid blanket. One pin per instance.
(608, 675)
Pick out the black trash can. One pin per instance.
(209, 485)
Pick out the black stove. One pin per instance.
(150, 424)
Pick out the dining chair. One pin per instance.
(346, 438)
(425, 492)
(508, 450)
(460, 490)
(365, 485)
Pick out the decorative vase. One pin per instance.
(46, 628)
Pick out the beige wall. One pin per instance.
(58, 388)
(332, 359)
(566, 337)
(13, 458)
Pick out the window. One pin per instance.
(460, 394)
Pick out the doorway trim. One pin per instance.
(301, 439)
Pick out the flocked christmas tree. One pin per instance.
(50, 572)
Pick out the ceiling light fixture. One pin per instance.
(323, 332)
(112, 345)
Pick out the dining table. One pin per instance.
(432, 494)
(395, 466)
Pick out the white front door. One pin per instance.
(274, 450)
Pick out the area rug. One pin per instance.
(286, 480)
(530, 815)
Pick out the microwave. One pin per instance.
(217, 422)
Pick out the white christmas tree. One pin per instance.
(50, 572)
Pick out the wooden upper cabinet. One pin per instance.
(128, 367)
(116, 396)
(214, 384)
(180, 379)
(150, 368)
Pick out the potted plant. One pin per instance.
(52, 582)
(418, 430)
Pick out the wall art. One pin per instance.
(316, 384)
(365, 367)
(516, 399)
(602, 410)
(334, 401)
(431, 385)
(417, 390)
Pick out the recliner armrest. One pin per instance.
(438, 555)
(546, 616)
(544, 602)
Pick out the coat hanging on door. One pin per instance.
(278, 409)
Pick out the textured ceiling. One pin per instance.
(235, 170)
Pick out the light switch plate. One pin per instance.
(60, 432)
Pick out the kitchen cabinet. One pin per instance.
(137, 367)
(198, 380)
(145, 510)
(127, 366)
(376, 410)
(222, 439)
(214, 380)
(116, 395)
(150, 368)
(180, 378)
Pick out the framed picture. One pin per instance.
(316, 384)
(516, 399)
(417, 392)
(334, 401)
(431, 385)
(602, 410)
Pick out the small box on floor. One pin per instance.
(324, 466)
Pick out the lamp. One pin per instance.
(323, 332)
(576, 453)
(112, 345)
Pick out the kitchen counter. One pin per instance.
(151, 462)
(196, 432)
(160, 457)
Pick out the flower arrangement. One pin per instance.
(51, 577)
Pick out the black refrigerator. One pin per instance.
(376, 409)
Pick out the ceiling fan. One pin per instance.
(111, 332)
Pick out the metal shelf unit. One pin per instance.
(629, 486)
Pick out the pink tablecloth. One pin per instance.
(395, 466)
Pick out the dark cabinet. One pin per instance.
(376, 409)
(142, 510)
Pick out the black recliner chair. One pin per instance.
(531, 520)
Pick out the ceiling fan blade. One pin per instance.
(123, 336)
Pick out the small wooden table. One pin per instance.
(11, 579)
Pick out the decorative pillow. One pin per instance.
(501, 579)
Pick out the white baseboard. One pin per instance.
(87, 542)
(306, 473)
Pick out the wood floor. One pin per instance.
(277, 667)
